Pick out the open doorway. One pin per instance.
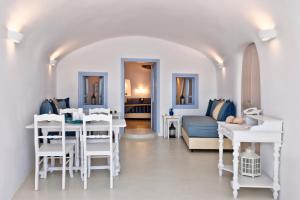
(140, 98)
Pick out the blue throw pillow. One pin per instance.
(228, 109)
(213, 106)
(209, 107)
(46, 107)
(54, 108)
(223, 111)
(64, 103)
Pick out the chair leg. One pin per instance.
(85, 172)
(36, 181)
(111, 171)
(71, 163)
(52, 164)
(45, 166)
(82, 163)
(77, 152)
(64, 172)
(89, 166)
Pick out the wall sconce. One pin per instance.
(140, 90)
(53, 62)
(220, 64)
(14, 36)
(267, 35)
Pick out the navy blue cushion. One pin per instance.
(46, 107)
(55, 109)
(64, 103)
(228, 109)
(209, 107)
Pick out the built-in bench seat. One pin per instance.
(201, 132)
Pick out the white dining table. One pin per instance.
(117, 124)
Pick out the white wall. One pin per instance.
(280, 80)
(139, 78)
(24, 82)
(105, 56)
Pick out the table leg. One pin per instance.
(77, 151)
(81, 156)
(179, 129)
(45, 159)
(221, 142)
(235, 184)
(276, 154)
(167, 128)
(117, 167)
(163, 125)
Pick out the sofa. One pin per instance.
(201, 132)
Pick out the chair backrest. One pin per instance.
(69, 110)
(75, 112)
(49, 118)
(97, 122)
(99, 111)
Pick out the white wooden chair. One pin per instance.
(105, 111)
(99, 111)
(69, 139)
(46, 150)
(103, 149)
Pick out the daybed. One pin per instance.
(201, 132)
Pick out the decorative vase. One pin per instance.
(182, 99)
(171, 112)
(93, 99)
(172, 131)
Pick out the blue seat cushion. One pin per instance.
(200, 126)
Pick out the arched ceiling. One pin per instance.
(215, 27)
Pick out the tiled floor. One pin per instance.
(151, 169)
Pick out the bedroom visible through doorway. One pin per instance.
(138, 94)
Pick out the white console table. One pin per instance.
(268, 130)
(167, 120)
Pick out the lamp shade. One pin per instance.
(127, 88)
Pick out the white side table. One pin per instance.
(167, 120)
(268, 130)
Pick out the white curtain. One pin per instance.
(251, 78)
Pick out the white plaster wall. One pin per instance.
(24, 82)
(105, 56)
(139, 78)
(280, 80)
(229, 80)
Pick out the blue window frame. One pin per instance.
(92, 90)
(185, 91)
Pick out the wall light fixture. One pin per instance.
(267, 35)
(14, 36)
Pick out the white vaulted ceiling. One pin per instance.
(216, 28)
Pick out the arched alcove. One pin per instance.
(250, 94)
